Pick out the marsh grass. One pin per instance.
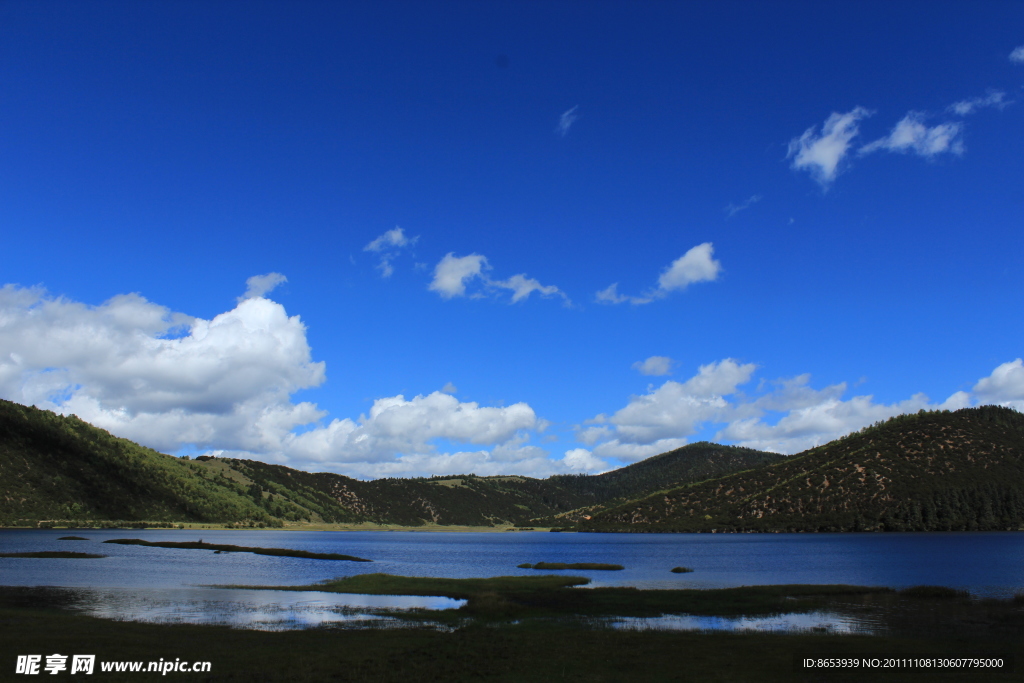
(575, 565)
(516, 597)
(199, 545)
(72, 538)
(55, 554)
(681, 570)
(528, 652)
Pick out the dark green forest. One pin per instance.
(929, 471)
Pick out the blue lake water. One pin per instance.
(986, 564)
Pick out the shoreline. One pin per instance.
(291, 526)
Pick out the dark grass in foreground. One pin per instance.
(199, 545)
(529, 653)
(55, 554)
(575, 565)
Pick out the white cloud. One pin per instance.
(734, 209)
(664, 418)
(388, 246)
(172, 381)
(566, 120)
(146, 373)
(821, 155)
(1005, 386)
(452, 272)
(654, 366)
(696, 265)
(450, 388)
(912, 135)
(672, 411)
(1017, 56)
(258, 285)
(610, 295)
(392, 238)
(995, 98)
(523, 286)
(583, 461)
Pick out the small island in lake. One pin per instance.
(224, 548)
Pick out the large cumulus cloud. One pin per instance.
(225, 385)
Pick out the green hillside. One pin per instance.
(55, 467)
(692, 463)
(938, 471)
(61, 468)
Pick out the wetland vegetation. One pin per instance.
(512, 648)
(225, 548)
(579, 566)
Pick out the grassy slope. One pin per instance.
(941, 470)
(61, 468)
(54, 467)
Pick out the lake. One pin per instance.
(166, 583)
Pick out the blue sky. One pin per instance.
(403, 239)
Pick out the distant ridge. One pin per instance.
(927, 471)
(930, 471)
(60, 469)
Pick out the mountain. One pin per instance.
(61, 468)
(939, 470)
(930, 471)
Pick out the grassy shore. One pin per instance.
(306, 526)
(532, 652)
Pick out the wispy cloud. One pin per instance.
(258, 285)
(566, 120)
(821, 155)
(655, 366)
(523, 286)
(995, 98)
(453, 273)
(1017, 56)
(912, 135)
(610, 295)
(388, 246)
(734, 209)
(696, 265)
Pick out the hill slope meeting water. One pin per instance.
(930, 471)
(59, 470)
(939, 470)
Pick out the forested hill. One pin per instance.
(929, 471)
(939, 470)
(61, 469)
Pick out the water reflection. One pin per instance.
(254, 609)
(825, 622)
